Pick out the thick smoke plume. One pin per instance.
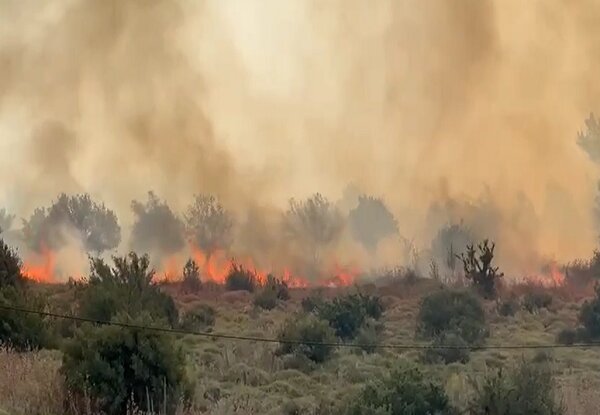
(450, 111)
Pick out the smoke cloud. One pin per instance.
(450, 111)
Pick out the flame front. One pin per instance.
(42, 268)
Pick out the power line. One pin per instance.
(414, 346)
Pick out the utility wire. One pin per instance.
(406, 346)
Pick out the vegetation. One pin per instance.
(273, 291)
(536, 300)
(589, 315)
(299, 335)
(156, 229)
(190, 282)
(403, 391)
(95, 224)
(200, 318)
(240, 278)
(371, 221)
(346, 314)
(120, 369)
(126, 287)
(6, 220)
(451, 311)
(479, 270)
(208, 225)
(526, 389)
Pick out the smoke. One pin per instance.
(466, 109)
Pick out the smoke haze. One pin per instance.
(448, 110)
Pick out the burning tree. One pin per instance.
(371, 221)
(314, 223)
(479, 269)
(97, 225)
(156, 228)
(208, 224)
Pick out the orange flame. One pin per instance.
(551, 276)
(43, 269)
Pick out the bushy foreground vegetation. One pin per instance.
(94, 368)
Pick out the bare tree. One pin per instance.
(478, 268)
(208, 224)
(371, 221)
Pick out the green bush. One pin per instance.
(452, 311)
(454, 350)
(299, 333)
(369, 335)
(271, 293)
(346, 314)
(312, 302)
(201, 318)
(126, 287)
(536, 300)
(403, 392)
(567, 336)
(526, 389)
(240, 278)
(191, 282)
(589, 315)
(21, 331)
(117, 368)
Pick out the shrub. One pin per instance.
(369, 335)
(508, 308)
(191, 282)
(403, 391)
(117, 368)
(535, 300)
(273, 291)
(589, 316)
(126, 287)
(346, 314)
(527, 389)
(200, 318)
(240, 278)
(21, 331)
(479, 270)
(458, 312)
(299, 334)
(312, 302)
(454, 350)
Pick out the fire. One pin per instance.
(43, 269)
(551, 275)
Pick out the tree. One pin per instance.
(371, 221)
(306, 335)
(314, 223)
(404, 391)
(127, 287)
(589, 140)
(479, 269)
(156, 228)
(97, 225)
(191, 282)
(6, 220)
(208, 225)
(450, 240)
(118, 368)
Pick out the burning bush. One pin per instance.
(526, 389)
(346, 314)
(19, 330)
(303, 332)
(479, 269)
(191, 282)
(200, 318)
(403, 391)
(119, 368)
(240, 278)
(451, 311)
(273, 291)
(127, 287)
